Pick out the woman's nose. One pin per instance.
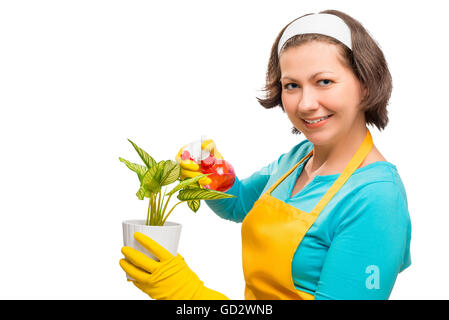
(308, 101)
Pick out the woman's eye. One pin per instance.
(325, 81)
(287, 86)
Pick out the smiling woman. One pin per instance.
(365, 60)
(323, 216)
(329, 218)
(311, 100)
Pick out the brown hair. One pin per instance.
(365, 59)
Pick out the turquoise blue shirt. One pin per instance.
(360, 241)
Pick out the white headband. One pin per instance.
(322, 23)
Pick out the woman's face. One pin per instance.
(316, 84)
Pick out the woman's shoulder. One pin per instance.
(378, 177)
(376, 191)
(373, 156)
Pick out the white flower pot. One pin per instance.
(167, 236)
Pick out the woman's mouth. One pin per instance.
(316, 122)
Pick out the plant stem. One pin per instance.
(157, 207)
(152, 210)
(165, 207)
(162, 207)
(148, 212)
(171, 211)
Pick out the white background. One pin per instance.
(77, 78)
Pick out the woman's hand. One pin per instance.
(167, 279)
(207, 160)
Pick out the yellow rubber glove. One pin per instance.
(190, 169)
(167, 279)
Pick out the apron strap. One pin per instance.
(287, 173)
(355, 162)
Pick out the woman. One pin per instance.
(328, 219)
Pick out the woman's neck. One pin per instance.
(332, 158)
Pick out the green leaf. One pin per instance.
(151, 180)
(194, 205)
(195, 185)
(140, 193)
(187, 182)
(137, 168)
(170, 173)
(146, 158)
(202, 194)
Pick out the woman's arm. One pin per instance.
(250, 189)
(369, 248)
(247, 191)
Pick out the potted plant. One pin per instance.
(153, 176)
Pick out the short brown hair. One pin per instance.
(365, 59)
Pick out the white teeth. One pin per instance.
(317, 120)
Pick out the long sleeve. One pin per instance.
(250, 189)
(370, 246)
(247, 192)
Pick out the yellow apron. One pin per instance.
(273, 230)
